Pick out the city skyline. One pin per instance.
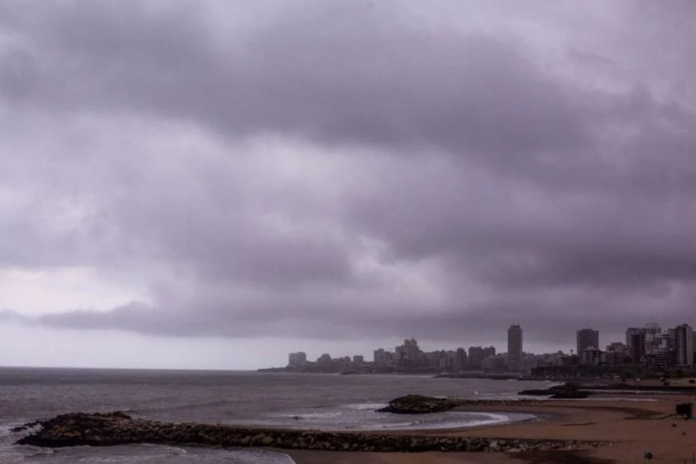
(650, 340)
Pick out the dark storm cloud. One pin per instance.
(514, 190)
(356, 76)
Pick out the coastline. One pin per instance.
(597, 430)
(110, 429)
(633, 428)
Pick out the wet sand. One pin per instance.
(339, 457)
(633, 427)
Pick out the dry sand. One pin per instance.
(634, 427)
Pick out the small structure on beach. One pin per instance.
(685, 410)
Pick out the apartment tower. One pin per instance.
(515, 348)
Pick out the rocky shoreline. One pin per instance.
(108, 429)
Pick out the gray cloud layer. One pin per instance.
(353, 170)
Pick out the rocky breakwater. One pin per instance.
(108, 429)
(418, 404)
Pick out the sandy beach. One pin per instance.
(633, 427)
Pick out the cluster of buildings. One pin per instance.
(649, 346)
(409, 357)
(475, 358)
(324, 362)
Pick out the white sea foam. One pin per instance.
(313, 415)
(7, 456)
(287, 458)
(447, 424)
(451, 420)
(607, 398)
(491, 418)
(166, 448)
(366, 406)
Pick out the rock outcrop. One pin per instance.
(108, 429)
(565, 391)
(418, 404)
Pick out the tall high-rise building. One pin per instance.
(666, 341)
(461, 359)
(652, 328)
(684, 341)
(587, 338)
(653, 339)
(515, 348)
(630, 332)
(637, 347)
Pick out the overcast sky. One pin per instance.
(208, 184)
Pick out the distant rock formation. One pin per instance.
(565, 391)
(418, 404)
(116, 428)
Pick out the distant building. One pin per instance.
(408, 354)
(432, 359)
(358, 360)
(514, 357)
(590, 356)
(384, 358)
(298, 359)
(637, 347)
(665, 341)
(324, 359)
(684, 341)
(494, 362)
(478, 354)
(666, 358)
(529, 361)
(630, 332)
(447, 360)
(587, 338)
(461, 360)
(652, 328)
(617, 346)
(618, 350)
(616, 354)
(653, 339)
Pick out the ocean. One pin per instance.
(330, 402)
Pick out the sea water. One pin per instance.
(328, 402)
